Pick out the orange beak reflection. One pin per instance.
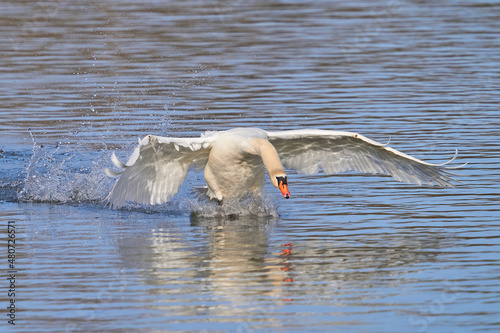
(284, 189)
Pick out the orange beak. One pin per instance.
(284, 190)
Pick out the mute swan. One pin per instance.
(234, 162)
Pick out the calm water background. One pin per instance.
(80, 79)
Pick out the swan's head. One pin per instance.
(282, 182)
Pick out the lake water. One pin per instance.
(350, 253)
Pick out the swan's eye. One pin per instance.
(282, 180)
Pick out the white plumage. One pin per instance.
(235, 161)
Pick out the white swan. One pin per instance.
(234, 162)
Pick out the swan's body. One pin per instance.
(235, 162)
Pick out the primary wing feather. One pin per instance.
(309, 151)
(156, 169)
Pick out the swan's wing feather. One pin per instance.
(309, 151)
(156, 169)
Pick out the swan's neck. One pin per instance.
(271, 160)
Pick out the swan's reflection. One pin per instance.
(235, 267)
(241, 261)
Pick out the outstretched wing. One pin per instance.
(156, 169)
(309, 151)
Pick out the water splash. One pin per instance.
(55, 174)
(251, 206)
